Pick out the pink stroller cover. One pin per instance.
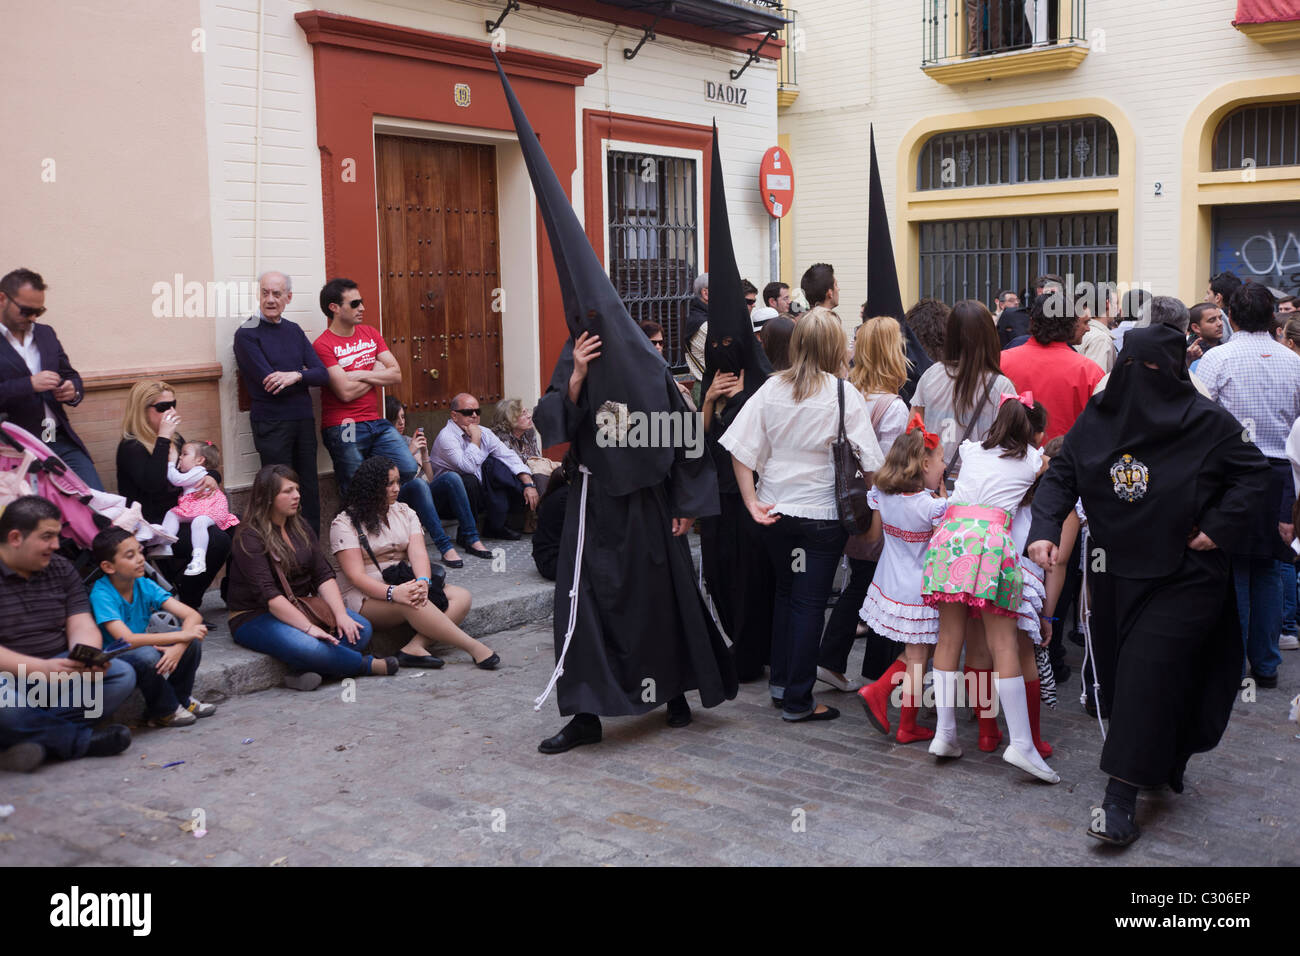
(55, 481)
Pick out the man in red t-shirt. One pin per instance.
(1048, 365)
(355, 355)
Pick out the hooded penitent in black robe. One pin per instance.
(883, 295)
(1154, 463)
(643, 634)
(734, 560)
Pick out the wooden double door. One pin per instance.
(439, 260)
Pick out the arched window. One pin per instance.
(1080, 148)
(1267, 134)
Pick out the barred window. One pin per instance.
(1081, 148)
(977, 258)
(1263, 135)
(653, 240)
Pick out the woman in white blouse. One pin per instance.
(394, 534)
(784, 433)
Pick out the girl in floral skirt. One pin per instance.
(909, 511)
(973, 569)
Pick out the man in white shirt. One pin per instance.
(36, 377)
(1097, 343)
(495, 477)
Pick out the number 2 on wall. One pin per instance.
(1160, 189)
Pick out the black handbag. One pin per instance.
(401, 572)
(851, 484)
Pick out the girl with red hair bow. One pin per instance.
(973, 569)
(905, 495)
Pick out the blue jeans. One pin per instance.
(423, 499)
(63, 731)
(804, 553)
(1289, 624)
(368, 439)
(78, 461)
(268, 634)
(162, 695)
(1259, 605)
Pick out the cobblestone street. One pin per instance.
(442, 767)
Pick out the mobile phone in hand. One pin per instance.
(93, 656)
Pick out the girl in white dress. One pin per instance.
(904, 494)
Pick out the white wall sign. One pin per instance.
(726, 93)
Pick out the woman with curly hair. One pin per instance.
(375, 532)
(929, 320)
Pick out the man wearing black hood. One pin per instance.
(736, 570)
(1168, 484)
(632, 631)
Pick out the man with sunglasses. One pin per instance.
(36, 377)
(495, 477)
(359, 364)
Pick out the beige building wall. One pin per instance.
(104, 191)
(1153, 65)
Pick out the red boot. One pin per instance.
(1034, 701)
(875, 696)
(907, 729)
(982, 693)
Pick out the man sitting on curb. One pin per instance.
(46, 613)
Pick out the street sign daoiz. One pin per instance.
(776, 182)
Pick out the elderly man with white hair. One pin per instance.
(278, 365)
(697, 325)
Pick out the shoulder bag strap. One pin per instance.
(840, 389)
(970, 426)
(365, 543)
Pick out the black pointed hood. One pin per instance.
(630, 375)
(883, 295)
(728, 314)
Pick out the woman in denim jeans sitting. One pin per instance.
(263, 618)
(426, 494)
(785, 433)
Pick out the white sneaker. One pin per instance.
(197, 564)
(848, 684)
(1288, 642)
(1037, 768)
(944, 748)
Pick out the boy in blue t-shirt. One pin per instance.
(165, 663)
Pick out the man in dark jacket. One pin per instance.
(1014, 322)
(278, 366)
(36, 377)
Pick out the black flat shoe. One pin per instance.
(1115, 826)
(488, 663)
(830, 713)
(485, 554)
(679, 712)
(574, 734)
(419, 660)
(504, 534)
(454, 562)
(1265, 682)
(108, 741)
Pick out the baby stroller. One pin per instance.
(28, 467)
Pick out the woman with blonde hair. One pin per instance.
(149, 431)
(514, 426)
(880, 368)
(784, 433)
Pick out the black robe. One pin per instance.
(1155, 463)
(643, 633)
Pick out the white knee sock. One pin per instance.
(199, 532)
(1011, 694)
(945, 704)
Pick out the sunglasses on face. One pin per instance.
(467, 412)
(354, 303)
(161, 407)
(29, 311)
(750, 302)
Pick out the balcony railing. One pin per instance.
(788, 72)
(964, 29)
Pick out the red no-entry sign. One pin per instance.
(776, 182)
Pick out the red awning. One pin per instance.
(1267, 11)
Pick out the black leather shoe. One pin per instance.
(575, 733)
(484, 553)
(1062, 673)
(504, 534)
(679, 712)
(427, 661)
(453, 562)
(488, 663)
(22, 758)
(108, 741)
(1265, 682)
(1115, 826)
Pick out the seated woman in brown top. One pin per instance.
(274, 542)
(393, 532)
